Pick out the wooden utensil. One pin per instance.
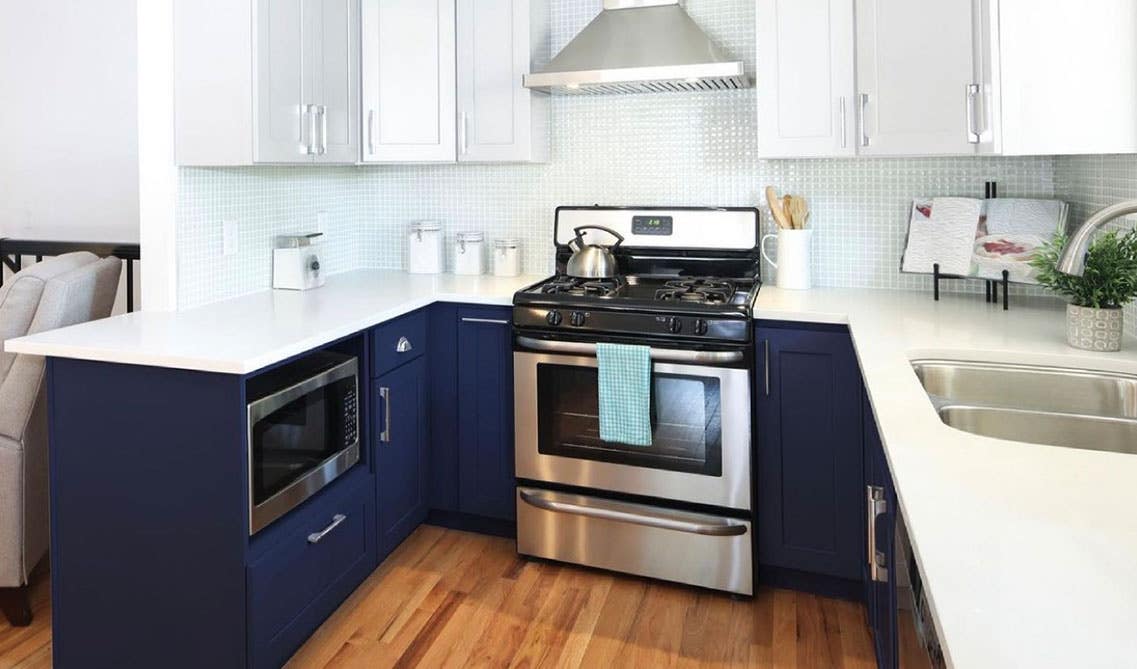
(786, 208)
(799, 212)
(780, 216)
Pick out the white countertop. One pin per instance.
(1029, 552)
(247, 333)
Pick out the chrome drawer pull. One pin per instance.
(611, 512)
(315, 537)
(385, 435)
(491, 321)
(877, 507)
(404, 345)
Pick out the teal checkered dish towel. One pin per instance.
(625, 393)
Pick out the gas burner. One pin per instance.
(699, 291)
(567, 285)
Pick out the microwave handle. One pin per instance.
(658, 354)
(385, 435)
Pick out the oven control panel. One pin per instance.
(623, 322)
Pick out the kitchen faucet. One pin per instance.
(1073, 259)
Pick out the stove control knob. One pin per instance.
(553, 318)
(674, 325)
(576, 318)
(700, 327)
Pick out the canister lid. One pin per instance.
(506, 243)
(471, 236)
(426, 226)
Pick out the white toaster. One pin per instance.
(296, 262)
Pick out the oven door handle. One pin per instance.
(625, 514)
(660, 354)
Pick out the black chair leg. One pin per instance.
(16, 605)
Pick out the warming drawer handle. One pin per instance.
(638, 518)
(315, 537)
(660, 354)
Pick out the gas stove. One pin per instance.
(683, 274)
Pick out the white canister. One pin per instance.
(425, 253)
(468, 254)
(794, 258)
(506, 257)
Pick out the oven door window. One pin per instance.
(299, 436)
(686, 421)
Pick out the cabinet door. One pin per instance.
(810, 477)
(805, 78)
(332, 58)
(408, 81)
(880, 588)
(498, 118)
(283, 115)
(914, 66)
(400, 452)
(485, 413)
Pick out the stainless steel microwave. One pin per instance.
(303, 421)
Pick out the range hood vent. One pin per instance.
(639, 46)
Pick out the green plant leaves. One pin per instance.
(1110, 279)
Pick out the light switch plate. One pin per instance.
(228, 237)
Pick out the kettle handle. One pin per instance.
(580, 235)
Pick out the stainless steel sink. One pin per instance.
(1041, 405)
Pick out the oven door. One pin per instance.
(700, 417)
(301, 439)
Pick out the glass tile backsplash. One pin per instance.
(659, 149)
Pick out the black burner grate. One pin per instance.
(699, 291)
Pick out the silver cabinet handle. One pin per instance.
(492, 321)
(404, 345)
(323, 130)
(862, 119)
(973, 131)
(877, 506)
(628, 513)
(310, 110)
(766, 363)
(315, 537)
(660, 354)
(844, 124)
(385, 435)
(463, 136)
(371, 132)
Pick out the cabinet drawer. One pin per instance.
(305, 575)
(388, 350)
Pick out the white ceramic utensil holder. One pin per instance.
(794, 257)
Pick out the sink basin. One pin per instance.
(1040, 405)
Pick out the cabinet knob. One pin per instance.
(404, 345)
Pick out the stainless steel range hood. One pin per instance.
(639, 46)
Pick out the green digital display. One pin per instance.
(652, 225)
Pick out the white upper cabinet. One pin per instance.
(297, 101)
(1058, 77)
(806, 86)
(498, 119)
(409, 81)
(914, 66)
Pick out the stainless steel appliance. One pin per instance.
(679, 509)
(593, 261)
(303, 422)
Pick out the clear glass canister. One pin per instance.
(506, 257)
(468, 253)
(425, 254)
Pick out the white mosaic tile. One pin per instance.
(661, 149)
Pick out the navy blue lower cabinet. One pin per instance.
(401, 453)
(880, 573)
(485, 412)
(809, 467)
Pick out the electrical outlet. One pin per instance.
(322, 221)
(228, 237)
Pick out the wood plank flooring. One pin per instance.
(453, 599)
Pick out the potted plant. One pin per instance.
(1094, 317)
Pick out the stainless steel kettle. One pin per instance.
(593, 261)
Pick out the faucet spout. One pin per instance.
(1073, 259)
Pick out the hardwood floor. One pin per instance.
(453, 599)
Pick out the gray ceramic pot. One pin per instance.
(1094, 329)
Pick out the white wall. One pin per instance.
(69, 120)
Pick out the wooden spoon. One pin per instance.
(776, 210)
(799, 212)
